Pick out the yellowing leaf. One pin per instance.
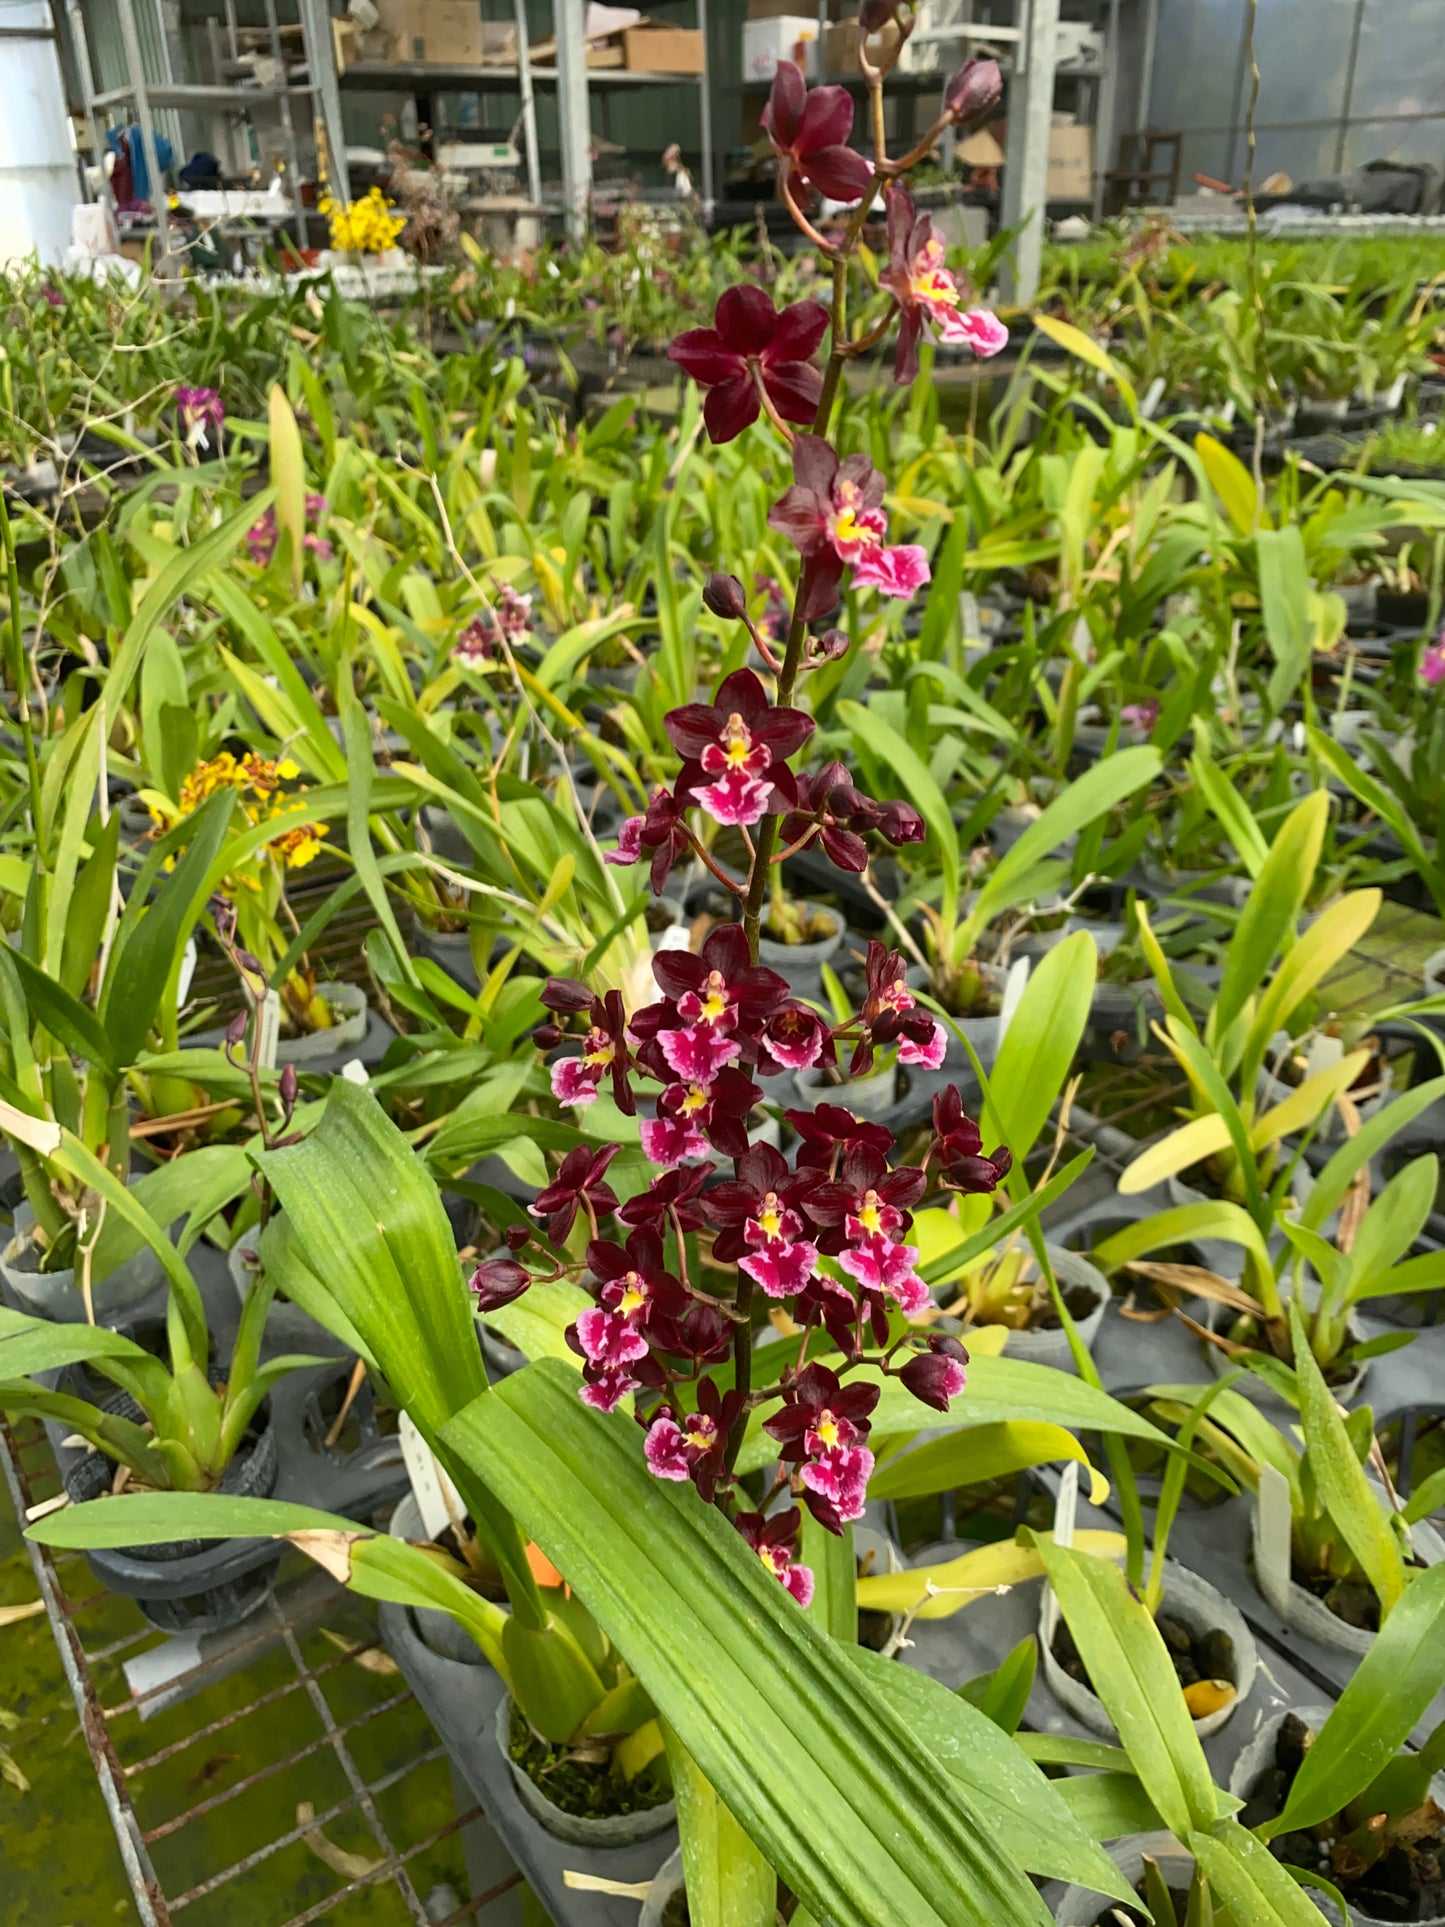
(1232, 483)
(1202, 1137)
(1302, 1107)
(288, 477)
(1075, 342)
(937, 1592)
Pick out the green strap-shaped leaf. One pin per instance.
(813, 1762)
(1245, 1877)
(729, 1883)
(369, 1226)
(1025, 1809)
(1133, 1675)
(1274, 903)
(1400, 1674)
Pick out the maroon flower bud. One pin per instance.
(565, 993)
(937, 1376)
(874, 15)
(517, 1236)
(548, 1036)
(723, 594)
(236, 1029)
(497, 1282)
(288, 1086)
(901, 823)
(975, 91)
(253, 964)
(828, 647)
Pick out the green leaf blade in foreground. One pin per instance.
(1134, 1677)
(1245, 1877)
(819, 1769)
(1390, 1690)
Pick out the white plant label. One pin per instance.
(437, 1499)
(187, 971)
(1324, 1053)
(1013, 990)
(354, 1071)
(1271, 1538)
(1065, 1508)
(270, 1028)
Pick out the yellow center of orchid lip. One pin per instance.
(698, 1439)
(871, 1215)
(695, 1100)
(827, 1428)
(770, 1218)
(770, 1560)
(602, 1053)
(633, 1296)
(715, 1002)
(737, 741)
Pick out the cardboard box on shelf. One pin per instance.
(649, 49)
(787, 36)
(436, 33)
(981, 149)
(1071, 162)
(840, 47)
(775, 9)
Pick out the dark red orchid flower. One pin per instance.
(659, 832)
(671, 1195)
(750, 351)
(775, 1541)
(831, 1129)
(867, 1192)
(720, 979)
(818, 1413)
(833, 515)
(958, 1147)
(576, 1080)
(580, 1175)
(764, 1204)
(736, 749)
(634, 1279)
(809, 129)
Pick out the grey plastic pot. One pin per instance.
(616, 1830)
(1257, 1756)
(669, 1881)
(981, 1032)
(1074, 1272)
(1251, 1385)
(348, 1001)
(56, 1295)
(1331, 1127)
(802, 963)
(1082, 1907)
(461, 1702)
(1304, 1613)
(1202, 1608)
(191, 1585)
(438, 1631)
(864, 1096)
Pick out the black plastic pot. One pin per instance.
(186, 1585)
(1401, 609)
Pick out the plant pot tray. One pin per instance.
(461, 1702)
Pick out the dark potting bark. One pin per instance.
(1405, 1883)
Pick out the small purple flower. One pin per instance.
(53, 296)
(200, 410)
(1140, 717)
(1432, 661)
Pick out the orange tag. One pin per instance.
(543, 1571)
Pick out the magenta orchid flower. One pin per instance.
(1432, 662)
(753, 351)
(774, 1540)
(833, 515)
(918, 278)
(740, 741)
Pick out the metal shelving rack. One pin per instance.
(574, 82)
(145, 97)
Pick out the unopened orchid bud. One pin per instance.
(548, 1036)
(498, 1282)
(236, 1030)
(874, 15)
(974, 92)
(901, 823)
(723, 594)
(828, 648)
(288, 1086)
(251, 963)
(518, 1235)
(937, 1376)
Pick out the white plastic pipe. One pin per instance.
(38, 186)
